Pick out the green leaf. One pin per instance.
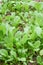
(36, 44)
(3, 52)
(39, 60)
(16, 21)
(24, 39)
(41, 52)
(22, 59)
(33, 36)
(3, 28)
(38, 31)
(13, 53)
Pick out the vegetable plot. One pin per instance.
(21, 32)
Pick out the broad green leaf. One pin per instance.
(38, 31)
(41, 52)
(3, 52)
(33, 36)
(13, 53)
(36, 44)
(22, 59)
(24, 39)
(39, 60)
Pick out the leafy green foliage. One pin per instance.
(21, 32)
